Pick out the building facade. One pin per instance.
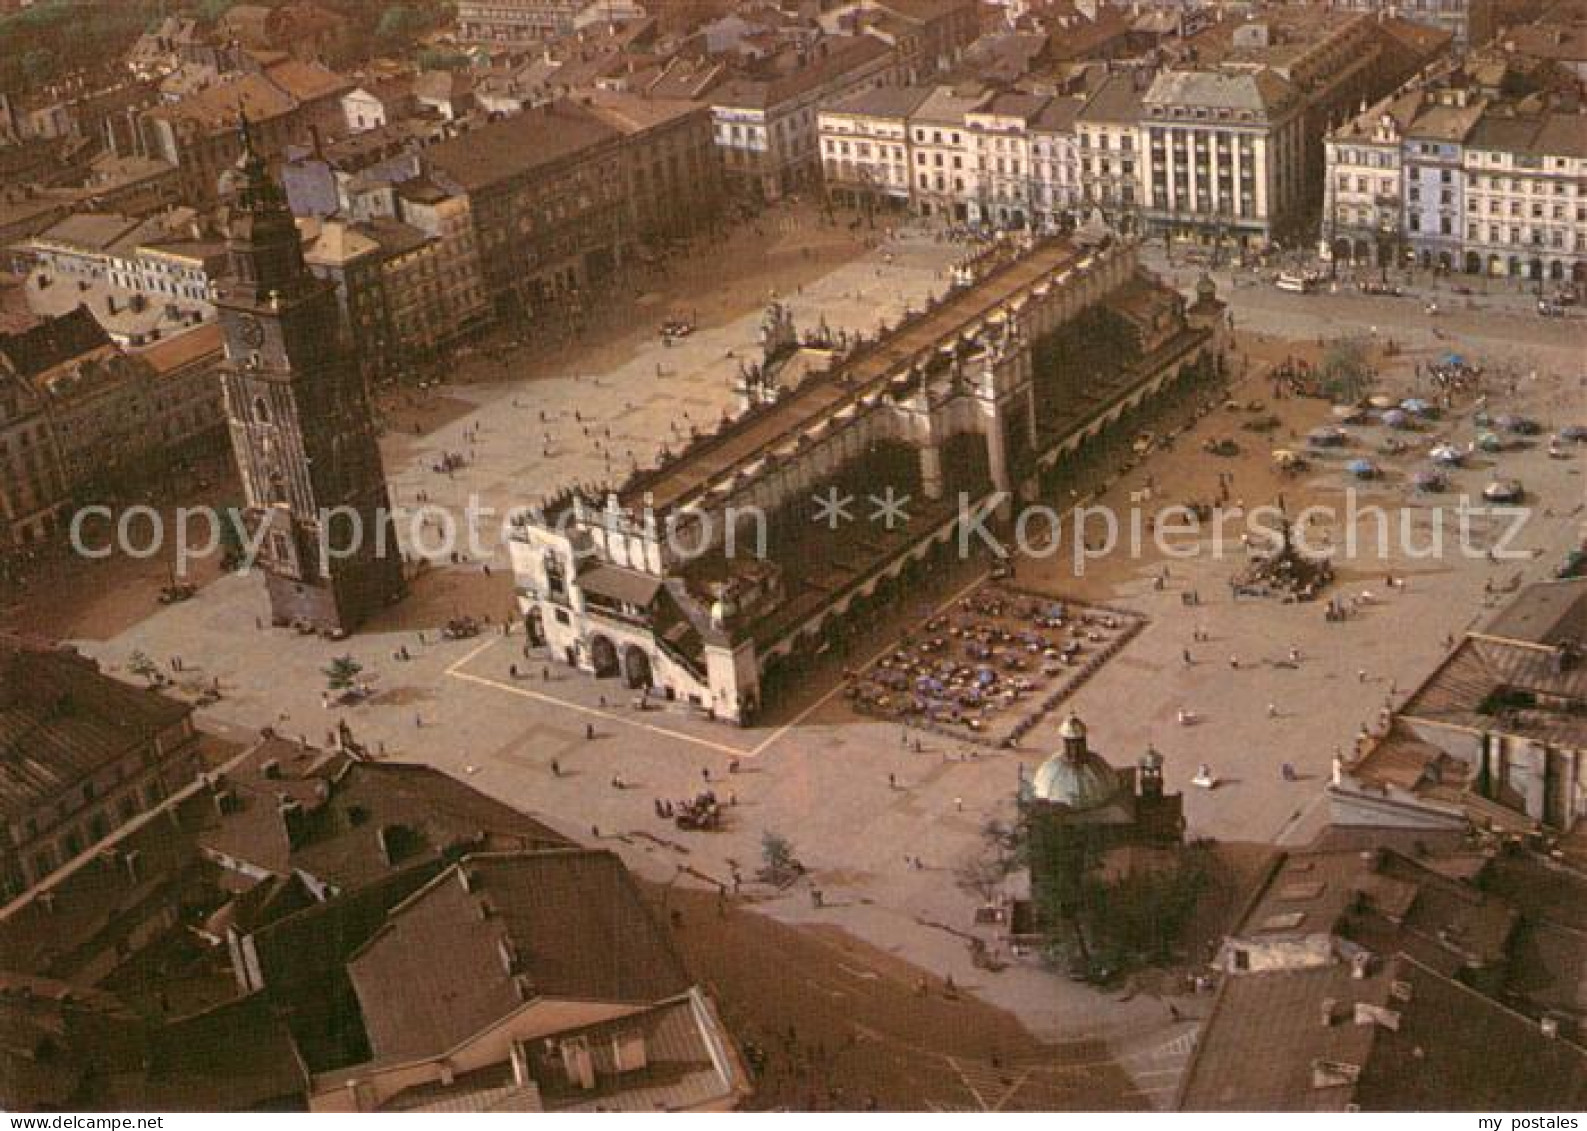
(1455, 178)
(1468, 23)
(766, 128)
(548, 200)
(605, 584)
(865, 146)
(120, 751)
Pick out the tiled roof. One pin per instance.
(279, 89)
(1461, 692)
(48, 344)
(61, 720)
(882, 102)
(359, 821)
(566, 924)
(1265, 90)
(1547, 612)
(515, 145)
(680, 1072)
(633, 114)
(1404, 1038)
(1116, 101)
(1386, 901)
(176, 352)
(837, 57)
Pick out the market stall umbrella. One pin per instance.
(1520, 425)
(1395, 418)
(1416, 406)
(1381, 401)
(1429, 481)
(1454, 359)
(1346, 412)
(1285, 458)
(1447, 454)
(1503, 491)
(1489, 442)
(1327, 437)
(1362, 468)
(1576, 433)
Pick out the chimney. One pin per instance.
(1369, 1014)
(292, 818)
(386, 836)
(507, 955)
(1360, 966)
(1549, 1027)
(271, 769)
(1327, 1012)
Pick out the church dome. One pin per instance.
(1084, 784)
(1075, 776)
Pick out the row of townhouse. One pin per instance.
(765, 128)
(998, 159)
(1459, 179)
(1193, 149)
(1230, 151)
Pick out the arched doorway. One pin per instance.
(1473, 263)
(1556, 270)
(636, 667)
(603, 656)
(534, 627)
(1341, 250)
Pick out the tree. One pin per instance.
(1063, 856)
(1138, 916)
(779, 864)
(212, 10)
(397, 22)
(342, 675)
(984, 868)
(1346, 370)
(436, 59)
(139, 664)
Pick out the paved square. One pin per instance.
(853, 794)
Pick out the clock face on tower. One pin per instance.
(250, 332)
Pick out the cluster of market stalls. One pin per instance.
(990, 667)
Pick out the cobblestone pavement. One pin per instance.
(821, 777)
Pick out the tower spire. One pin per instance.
(263, 247)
